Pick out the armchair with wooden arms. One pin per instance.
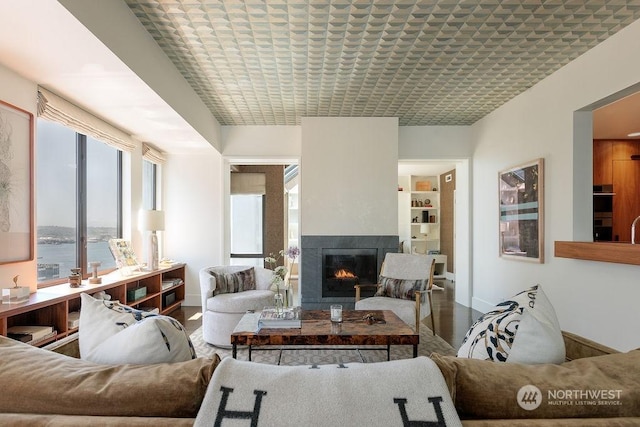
(405, 272)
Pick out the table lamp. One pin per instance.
(425, 228)
(152, 221)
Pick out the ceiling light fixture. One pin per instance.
(634, 134)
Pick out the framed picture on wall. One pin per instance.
(521, 198)
(16, 184)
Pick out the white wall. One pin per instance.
(349, 174)
(273, 143)
(193, 194)
(591, 298)
(435, 142)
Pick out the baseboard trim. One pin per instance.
(192, 301)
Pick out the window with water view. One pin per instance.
(77, 180)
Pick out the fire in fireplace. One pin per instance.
(344, 268)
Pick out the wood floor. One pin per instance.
(452, 319)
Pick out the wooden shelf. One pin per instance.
(621, 253)
(51, 306)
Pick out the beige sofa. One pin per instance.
(41, 387)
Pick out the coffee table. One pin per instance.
(318, 330)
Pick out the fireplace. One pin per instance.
(344, 268)
(331, 265)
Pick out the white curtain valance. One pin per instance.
(248, 183)
(152, 154)
(54, 108)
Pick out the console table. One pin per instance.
(51, 306)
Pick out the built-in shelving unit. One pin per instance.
(419, 213)
(51, 306)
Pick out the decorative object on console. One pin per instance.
(152, 221)
(124, 255)
(112, 333)
(94, 279)
(75, 278)
(524, 329)
(16, 294)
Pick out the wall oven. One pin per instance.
(603, 213)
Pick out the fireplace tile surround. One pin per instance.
(312, 251)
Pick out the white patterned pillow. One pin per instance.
(239, 281)
(524, 329)
(112, 333)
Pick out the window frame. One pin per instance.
(81, 208)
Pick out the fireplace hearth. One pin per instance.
(332, 265)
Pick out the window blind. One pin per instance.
(248, 183)
(53, 107)
(152, 154)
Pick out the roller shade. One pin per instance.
(152, 154)
(248, 183)
(54, 108)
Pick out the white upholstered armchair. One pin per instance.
(412, 269)
(222, 312)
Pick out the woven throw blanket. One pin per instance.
(409, 392)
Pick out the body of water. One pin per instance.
(55, 261)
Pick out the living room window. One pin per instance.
(78, 188)
(149, 185)
(247, 229)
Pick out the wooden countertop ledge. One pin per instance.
(621, 253)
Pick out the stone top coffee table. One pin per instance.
(318, 330)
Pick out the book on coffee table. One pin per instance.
(287, 318)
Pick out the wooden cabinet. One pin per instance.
(165, 290)
(419, 213)
(602, 158)
(613, 164)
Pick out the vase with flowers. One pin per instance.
(279, 282)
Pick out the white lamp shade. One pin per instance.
(151, 220)
(425, 228)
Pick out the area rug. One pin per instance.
(326, 355)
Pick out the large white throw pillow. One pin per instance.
(112, 333)
(524, 329)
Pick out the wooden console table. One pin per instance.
(51, 306)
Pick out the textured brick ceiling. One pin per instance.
(436, 62)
